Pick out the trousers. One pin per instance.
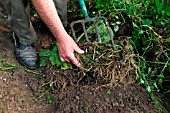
(19, 18)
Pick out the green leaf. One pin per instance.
(144, 75)
(161, 76)
(129, 10)
(50, 100)
(157, 52)
(148, 89)
(163, 12)
(160, 82)
(155, 85)
(64, 66)
(43, 61)
(141, 81)
(168, 11)
(147, 3)
(118, 22)
(86, 109)
(108, 93)
(147, 22)
(140, 32)
(134, 25)
(116, 28)
(45, 53)
(149, 70)
(97, 6)
(54, 58)
(159, 5)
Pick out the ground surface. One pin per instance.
(18, 87)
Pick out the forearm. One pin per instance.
(66, 44)
(47, 11)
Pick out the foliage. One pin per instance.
(53, 57)
(9, 66)
(150, 37)
(50, 100)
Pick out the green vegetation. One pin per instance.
(150, 21)
(9, 66)
(150, 37)
(149, 40)
(53, 57)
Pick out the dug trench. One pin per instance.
(103, 85)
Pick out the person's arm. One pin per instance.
(66, 45)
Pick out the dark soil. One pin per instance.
(73, 91)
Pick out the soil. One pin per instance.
(20, 89)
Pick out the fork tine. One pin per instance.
(94, 20)
(111, 35)
(97, 31)
(85, 32)
(108, 28)
(73, 31)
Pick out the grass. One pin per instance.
(9, 66)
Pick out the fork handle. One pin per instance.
(83, 8)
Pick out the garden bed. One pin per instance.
(106, 83)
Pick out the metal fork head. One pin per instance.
(93, 20)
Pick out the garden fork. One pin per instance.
(93, 20)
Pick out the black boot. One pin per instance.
(25, 54)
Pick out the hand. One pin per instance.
(66, 44)
(66, 48)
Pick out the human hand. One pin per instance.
(66, 44)
(66, 48)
